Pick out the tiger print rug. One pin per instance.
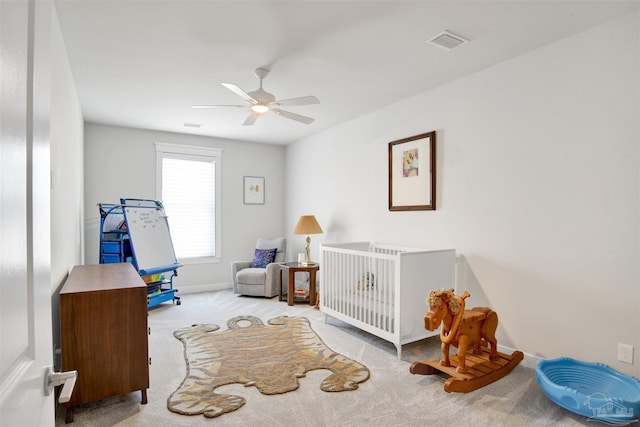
(271, 358)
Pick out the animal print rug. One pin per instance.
(271, 358)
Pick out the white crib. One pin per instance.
(382, 289)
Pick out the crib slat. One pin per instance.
(377, 310)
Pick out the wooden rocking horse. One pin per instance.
(470, 331)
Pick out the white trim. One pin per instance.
(195, 150)
(207, 287)
(529, 361)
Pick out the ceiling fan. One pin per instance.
(260, 102)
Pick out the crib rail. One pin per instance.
(360, 285)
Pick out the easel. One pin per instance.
(137, 231)
(152, 247)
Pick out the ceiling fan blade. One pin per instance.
(251, 119)
(303, 100)
(236, 89)
(217, 106)
(293, 116)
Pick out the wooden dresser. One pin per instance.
(104, 332)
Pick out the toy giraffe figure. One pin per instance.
(464, 329)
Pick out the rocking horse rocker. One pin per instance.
(470, 331)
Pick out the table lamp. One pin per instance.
(307, 224)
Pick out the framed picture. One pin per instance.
(412, 173)
(253, 190)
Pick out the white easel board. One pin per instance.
(151, 243)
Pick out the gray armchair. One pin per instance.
(248, 280)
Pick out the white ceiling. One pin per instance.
(144, 63)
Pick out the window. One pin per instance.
(188, 184)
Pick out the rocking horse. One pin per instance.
(470, 331)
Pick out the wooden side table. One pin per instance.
(292, 268)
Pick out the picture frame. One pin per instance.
(412, 173)
(253, 190)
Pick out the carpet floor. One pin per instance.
(391, 397)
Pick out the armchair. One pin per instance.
(259, 281)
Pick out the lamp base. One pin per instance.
(307, 249)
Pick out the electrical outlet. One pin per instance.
(625, 353)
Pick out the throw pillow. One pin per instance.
(262, 257)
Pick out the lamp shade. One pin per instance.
(307, 224)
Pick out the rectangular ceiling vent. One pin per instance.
(447, 40)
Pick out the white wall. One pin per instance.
(120, 162)
(538, 190)
(67, 174)
(67, 159)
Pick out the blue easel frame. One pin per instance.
(161, 293)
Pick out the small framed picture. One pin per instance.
(412, 173)
(253, 190)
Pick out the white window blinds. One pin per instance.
(187, 189)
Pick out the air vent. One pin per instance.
(447, 40)
(192, 125)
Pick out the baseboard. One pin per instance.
(207, 287)
(529, 361)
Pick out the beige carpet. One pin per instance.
(391, 397)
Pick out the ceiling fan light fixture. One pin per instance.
(259, 108)
(260, 102)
